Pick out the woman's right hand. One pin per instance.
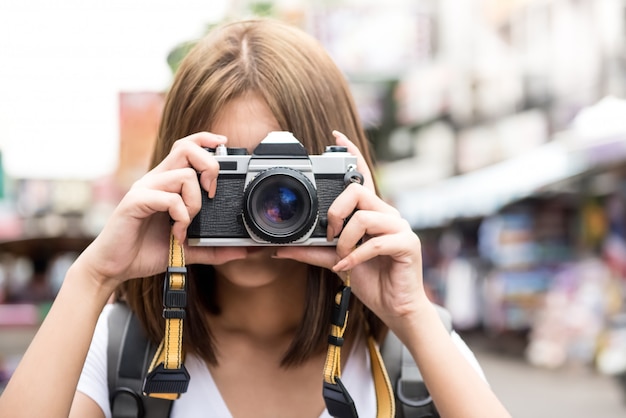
(135, 240)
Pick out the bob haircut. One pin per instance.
(309, 97)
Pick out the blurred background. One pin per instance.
(499, 127)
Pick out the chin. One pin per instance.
(259, 269)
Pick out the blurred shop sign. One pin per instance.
(140, 114)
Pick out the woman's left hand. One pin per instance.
(377, 247)
(383, 256)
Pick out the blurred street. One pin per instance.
(529, 391)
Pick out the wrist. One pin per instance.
(417, 326)
(84, 283)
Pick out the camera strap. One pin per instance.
(338, 401)
(167, 376)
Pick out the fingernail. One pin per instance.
(342, 265)
(212, 189)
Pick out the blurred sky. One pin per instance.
(62, 66)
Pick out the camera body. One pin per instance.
(279, 195)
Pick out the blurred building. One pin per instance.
(507, 154)
(499, 127)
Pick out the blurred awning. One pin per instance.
(487, 190)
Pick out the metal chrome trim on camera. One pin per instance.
(249, 242)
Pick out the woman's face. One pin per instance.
(245, 121)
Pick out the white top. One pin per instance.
(203, 398)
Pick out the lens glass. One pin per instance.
(280, 204)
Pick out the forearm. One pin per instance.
(456, 387)
(45, 381)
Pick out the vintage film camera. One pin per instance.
(278, 195)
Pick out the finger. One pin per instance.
(180, 189)
(193, 157)
(182, 181)
(366, 224)
(213, 255)
(325, 257)
(144, 202)
(189, 152)
(361, 164)
(205, 139)
(403, 248)
(208, 180)
(354, 197)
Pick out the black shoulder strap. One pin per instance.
(412, 397)
(128, 355)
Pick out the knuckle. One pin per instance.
(182, 146)
(360, 217)
(189, 173)
(333, 213)
(343, 250)
(194, 206)
(376, 245)
(179, 144)
(407, 225)
(213, 166)
(356, 188)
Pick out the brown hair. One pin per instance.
(309, 97)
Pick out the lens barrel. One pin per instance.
(280, 205)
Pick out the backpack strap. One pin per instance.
(412, 397)
(129, 353)
(128, 356)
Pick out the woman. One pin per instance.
(257, 321)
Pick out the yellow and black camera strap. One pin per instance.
(167, 377)
(338, 401)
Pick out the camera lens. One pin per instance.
(280, 205)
